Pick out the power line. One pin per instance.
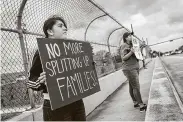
(166, 41)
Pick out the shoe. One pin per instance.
(144, 108)
(136, 105)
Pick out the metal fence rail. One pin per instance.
(21, 24)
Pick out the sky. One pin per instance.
(156, 20)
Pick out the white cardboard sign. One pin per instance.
(136, 47)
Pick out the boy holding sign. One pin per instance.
(54, 28)
(130, 68)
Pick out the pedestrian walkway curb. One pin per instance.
(162, 104)
(173, 87)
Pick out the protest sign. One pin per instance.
(70, 70)
(143, 49)
(137, 50)
(144, 52)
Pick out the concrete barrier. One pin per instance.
(108, 84)
(162, 104)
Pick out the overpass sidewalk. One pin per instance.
(119, 106)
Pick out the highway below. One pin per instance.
(174, 66)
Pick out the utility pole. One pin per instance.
(147, 41)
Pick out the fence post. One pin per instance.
(23, 49)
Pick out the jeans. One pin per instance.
(143, 61)
(134, 86)
(72, 112)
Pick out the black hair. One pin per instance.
(125, 35)
(48, 24)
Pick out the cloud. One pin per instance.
(142, 6)
(176, 18)
(137, 20)
(157, 20)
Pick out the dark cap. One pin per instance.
(125, 35)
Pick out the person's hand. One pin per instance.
(132, 50)
(42, 77)
(35, 93)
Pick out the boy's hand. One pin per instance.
(132, 50)
(42, 77)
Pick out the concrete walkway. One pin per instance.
(119, 106)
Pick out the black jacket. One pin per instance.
(35, 72)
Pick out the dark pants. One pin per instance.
(143, 62)
(134, 86)
(72, 112)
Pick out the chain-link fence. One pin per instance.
(22, 22)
